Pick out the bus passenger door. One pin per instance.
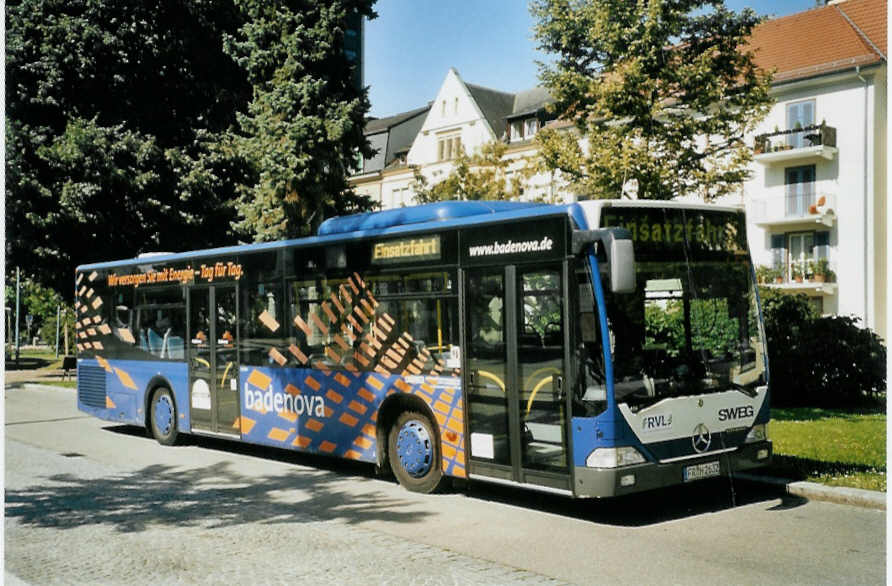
(213, 359)
(516, 373)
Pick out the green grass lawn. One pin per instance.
(836, 448)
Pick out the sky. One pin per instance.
(412, 44)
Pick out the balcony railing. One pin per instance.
(803, 207)
(782, 145)
(814, 276)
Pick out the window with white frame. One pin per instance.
(448, 147)
(800, 115)
(530, 128)
(797, 253)
(516, 130)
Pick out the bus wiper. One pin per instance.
(751, 393)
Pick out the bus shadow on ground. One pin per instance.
(212, 496)
(647, 508)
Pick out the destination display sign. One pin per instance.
(407, 250)
(663, 230)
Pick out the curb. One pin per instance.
(26, 386)
(858, 497)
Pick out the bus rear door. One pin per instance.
(213, 359)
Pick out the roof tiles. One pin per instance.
(821, 40)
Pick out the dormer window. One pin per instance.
(523, 129)
(516, 131)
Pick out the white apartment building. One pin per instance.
(818, 188)
(817, 194)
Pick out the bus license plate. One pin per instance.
(700, 471)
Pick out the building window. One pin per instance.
(516, 130)
(800, 188)
(443, 109)
(530, 128)
(455, 106)
(800, 115)
(448, 147)
(794, 252)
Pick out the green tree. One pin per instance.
(304, 125)
(115, 111)
(481, 176)
(662, 92)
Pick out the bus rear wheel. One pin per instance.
(163, 417)
(414, 453)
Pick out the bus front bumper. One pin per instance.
(607, 482)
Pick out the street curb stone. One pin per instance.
(859, 497)
(40, 387)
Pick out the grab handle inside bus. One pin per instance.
(617, 243)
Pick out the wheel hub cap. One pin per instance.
(415, 449)
(163, 414)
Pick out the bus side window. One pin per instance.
(160, 323)
(261, 327)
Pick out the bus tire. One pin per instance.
(163, 416)
(414, 452)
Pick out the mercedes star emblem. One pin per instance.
(701, 438)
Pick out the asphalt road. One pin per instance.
(93, 502)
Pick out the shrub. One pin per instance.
(814, 361)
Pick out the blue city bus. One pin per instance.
(592, 349)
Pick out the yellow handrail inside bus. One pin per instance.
(225, 372)
(202, 360)
(538, 386)
(491, 376)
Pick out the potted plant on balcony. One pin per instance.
(763, 274)
(797, 272)
(822, 272)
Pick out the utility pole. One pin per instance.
(58, 316)
(17, 298)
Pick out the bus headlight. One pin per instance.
(614, 457)
(759, 433)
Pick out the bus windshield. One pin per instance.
(692, 325)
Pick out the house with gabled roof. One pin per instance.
(462, 117)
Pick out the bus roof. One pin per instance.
(434, 216)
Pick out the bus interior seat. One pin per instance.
(176, 348)
(164, 351)
(155, 342)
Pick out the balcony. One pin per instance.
(812, 278)
(783, 146)
(794, 209)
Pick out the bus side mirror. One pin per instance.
(617, 243)
(621, 256)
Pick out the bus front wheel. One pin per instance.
(163, 412)
(414, 453)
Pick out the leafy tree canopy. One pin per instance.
(662, 92)
(481, 176)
